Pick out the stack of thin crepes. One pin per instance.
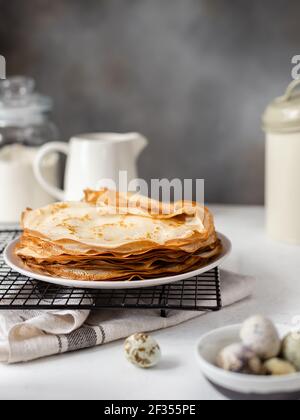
(113, 236)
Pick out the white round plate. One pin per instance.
(17, 265)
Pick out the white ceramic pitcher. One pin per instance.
(92, 160)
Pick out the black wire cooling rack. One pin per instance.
(201, 293)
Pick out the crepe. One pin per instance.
(113, 236)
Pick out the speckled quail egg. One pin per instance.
(142, 350)
(291, 349)
(260, 335)
(278, 367)
(239, 359)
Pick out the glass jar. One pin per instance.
(24, 114)
(24, 127)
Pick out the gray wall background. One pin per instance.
(192, 75)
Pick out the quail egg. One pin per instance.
(239, 359)
(260, 335)
(291, 349)
(278, 367)
(142, 350)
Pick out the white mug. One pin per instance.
(92, 158)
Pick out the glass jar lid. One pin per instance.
(19, 103)
(283, 114)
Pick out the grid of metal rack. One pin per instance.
(201, 293)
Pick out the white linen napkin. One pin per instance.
(29, 335)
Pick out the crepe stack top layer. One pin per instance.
(112, 236)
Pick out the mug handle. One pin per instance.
(45, 150)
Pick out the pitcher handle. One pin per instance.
(45, 150)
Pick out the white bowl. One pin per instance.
(238, 386)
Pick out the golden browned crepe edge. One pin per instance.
(120, 275)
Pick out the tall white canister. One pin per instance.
(281, 122)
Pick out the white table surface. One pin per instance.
(103, 373)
